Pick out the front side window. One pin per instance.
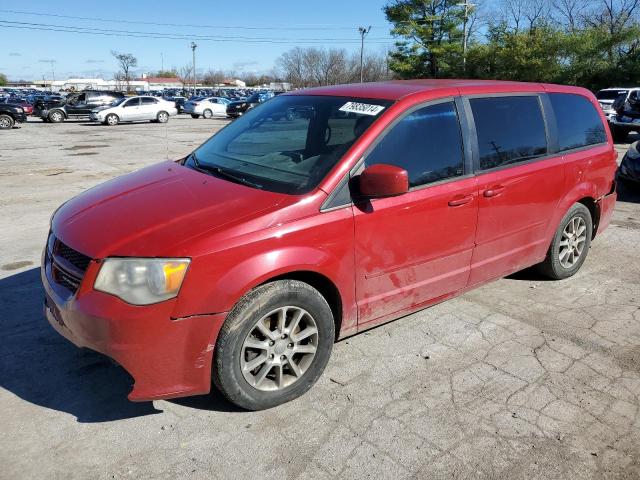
(510, 129)
(578, 122)
(427, 143)
(134, 102)
(288, 144)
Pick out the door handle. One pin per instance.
(494, 191)
(460, 200)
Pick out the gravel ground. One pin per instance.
(521, 379)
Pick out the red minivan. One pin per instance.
(317, 215)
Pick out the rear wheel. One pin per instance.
(6, 122)
(56, 116)
(195, 115)
(163, 117)
(111, 120)
(570, 244)
(207, 113)
(274, 345)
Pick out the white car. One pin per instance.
(135, 109)
(607, 96)
(207, 107)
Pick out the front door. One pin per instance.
(416, 247)
(131, 110)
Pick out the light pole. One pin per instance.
(465, 19)
(363, 33)
(193, 50)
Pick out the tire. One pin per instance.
(291, 115)
(162, 117)
(6, 122)
(112, 120)
(207, 114)
(249, 389)
(56, 116)
(195, 115)
(557, 265)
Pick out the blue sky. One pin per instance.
(270, 28)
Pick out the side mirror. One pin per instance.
(383, 180)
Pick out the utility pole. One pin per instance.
(466, 6)
(193, 49)
(363, 33)
(161, 62)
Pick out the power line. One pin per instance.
(175, 36)
(326, 26)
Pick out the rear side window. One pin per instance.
(510, 130)
(579, 124)
(427, 143)
(148, 101)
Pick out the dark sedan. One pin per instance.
(235, 109)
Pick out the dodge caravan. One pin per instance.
(239, 265)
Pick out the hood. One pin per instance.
(100, 109)
(152, 211)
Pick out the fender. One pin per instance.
(577, 193)
(222, 280)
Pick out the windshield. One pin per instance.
(289, 143)
(118, 101)
(610, 94)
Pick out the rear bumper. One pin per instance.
(167, 357)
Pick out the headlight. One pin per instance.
(142, 281)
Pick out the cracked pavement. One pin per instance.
(521, 379)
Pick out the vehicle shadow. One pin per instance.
(43, 368)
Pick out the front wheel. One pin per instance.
(163, 117)
(6, 122)
(570, 244)
(112, 119)
(274, 345)
(207, 113)
(56, 116)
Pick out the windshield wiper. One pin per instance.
(222, 173)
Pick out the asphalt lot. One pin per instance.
(521, 379)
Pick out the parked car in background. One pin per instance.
(607, 96)
(178, 101)
(238, 108)
(26, 106)
(630, 165)
(627, 115)
(206, 107)
(240, 265)
(135, 109)
(76, 106)
(10, 114)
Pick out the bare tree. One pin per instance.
(214, 77)
(569, 12)
(184, 74)
(127, 61)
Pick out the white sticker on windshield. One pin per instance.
(363, 108)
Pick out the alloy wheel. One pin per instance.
(5, 122)
(279, 348)
(572, 242)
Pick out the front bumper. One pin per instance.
(605, 206)
(95, 118)
(167, 357)
(20, 117)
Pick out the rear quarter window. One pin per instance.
(579, 124)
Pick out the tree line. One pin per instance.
(590, 43)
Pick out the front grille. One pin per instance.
(67, 265)
(75, 258)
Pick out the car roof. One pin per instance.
(397, 89)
